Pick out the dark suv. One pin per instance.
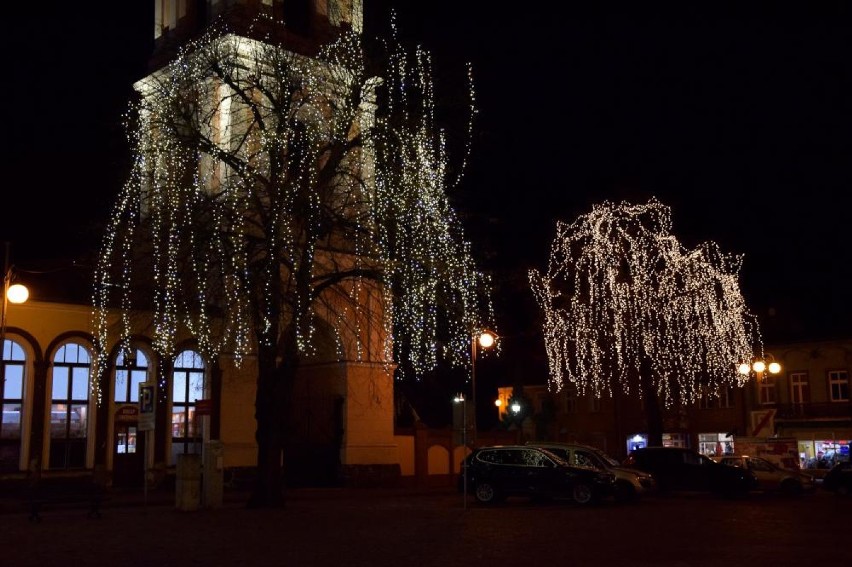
(678, 468)
(495, 473)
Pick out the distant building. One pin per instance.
(809, 400)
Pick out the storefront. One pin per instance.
(823, 453)
(640, 440)
(822, 448)
(715, 444)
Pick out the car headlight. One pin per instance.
(646, 481)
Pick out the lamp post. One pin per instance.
(759, 367)
(459, 399)
(485, 339)
(12, 293)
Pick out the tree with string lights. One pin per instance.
(280, 206)
(627, 306)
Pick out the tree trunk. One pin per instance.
(271, 405)
(653, 413)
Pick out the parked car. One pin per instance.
(839, 478)
(769, 476)
(679, 468)
(629, 483)
(498, 472)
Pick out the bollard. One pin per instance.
(188, 482)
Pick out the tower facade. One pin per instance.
(341, 415)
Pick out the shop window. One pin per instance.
(715, 444)
(69, 407)
(674, 440)
(12, 388)
(838, 384)
(187, 389)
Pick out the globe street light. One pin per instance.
(485, 339)
(759, 367)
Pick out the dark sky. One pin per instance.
(740, 121)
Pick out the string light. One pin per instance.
(622, 294)
(269, 188)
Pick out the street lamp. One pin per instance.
(485, 339)
(760, 367)
(12, 293)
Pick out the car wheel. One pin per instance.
(583, 493)
(486, 493)
(791, 487)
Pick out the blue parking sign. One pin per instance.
(146, 406)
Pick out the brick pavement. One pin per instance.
(395, 527)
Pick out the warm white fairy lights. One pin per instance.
(267, 184)
(622, 296)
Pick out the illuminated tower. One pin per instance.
(340, 402)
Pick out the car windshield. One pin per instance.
(607, 459)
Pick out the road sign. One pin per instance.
(146, 406)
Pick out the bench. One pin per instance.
(64, 491)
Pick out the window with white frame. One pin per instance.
(838, 385)
(799, 388)
(69, 407)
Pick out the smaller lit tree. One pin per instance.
(627, 306)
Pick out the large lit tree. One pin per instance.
(627, 306)
(279, 200)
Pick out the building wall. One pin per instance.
(344, 410)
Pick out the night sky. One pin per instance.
(739, 121)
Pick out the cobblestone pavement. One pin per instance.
(384, 527)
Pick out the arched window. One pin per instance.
(69, 407)
(187, 389)
(12, 403)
